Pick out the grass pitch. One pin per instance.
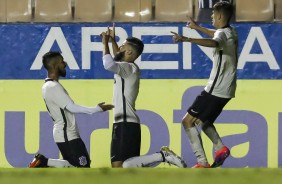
(141, 176)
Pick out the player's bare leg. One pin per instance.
(117, 164)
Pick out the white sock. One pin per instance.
(210, 131)
(58, 163)
(143, 161)
(197, 145)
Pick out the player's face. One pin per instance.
(124, 49)
(62, 67)
(215, 18)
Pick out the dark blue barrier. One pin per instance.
(22, 45)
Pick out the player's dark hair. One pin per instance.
(48, 57)
(225, 7)
(137, 44)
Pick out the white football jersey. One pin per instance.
(126, 89)
(56, 99)
(222, 81)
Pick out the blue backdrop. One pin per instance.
(21, 44)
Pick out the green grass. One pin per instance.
(141, 176)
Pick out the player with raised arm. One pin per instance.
(126, 136)
(221, 85)
(62, 109)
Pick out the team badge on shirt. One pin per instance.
(82, 160)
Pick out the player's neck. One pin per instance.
(53, 76)
(223, 24)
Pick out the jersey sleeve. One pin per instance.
(220, 38)
(109, 63)
(58, 95)
(124, 69)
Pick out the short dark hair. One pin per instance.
(137, 44)
(48, 57)
(225, 7)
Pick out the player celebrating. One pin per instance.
(126, 136)
(221, 85)
(61, 109)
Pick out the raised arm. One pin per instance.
(113, 39)
(105, 40)
(108, 62)
(206, 42)
(193, 25)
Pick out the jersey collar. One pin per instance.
(48, 79)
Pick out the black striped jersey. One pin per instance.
(222, 80)
(126, 89)
(208, 4)
(56, 99)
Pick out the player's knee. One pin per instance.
(187, 121)
(117, 164)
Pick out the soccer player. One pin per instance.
(221, 84)
(62, 109)
(126, 135)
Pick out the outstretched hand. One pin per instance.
(179, 38)
(106, 107)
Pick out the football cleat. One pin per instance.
(220, 157)
(39, 161)
(171, 158)
(198, 165)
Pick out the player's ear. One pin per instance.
(220, 16)
(53, 64)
